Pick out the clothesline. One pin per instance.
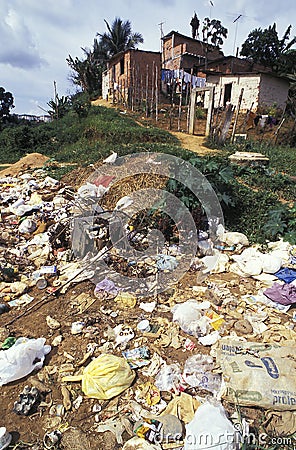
(168, 76)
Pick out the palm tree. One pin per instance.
(87, 72)
(119, 37)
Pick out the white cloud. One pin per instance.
(17, 45)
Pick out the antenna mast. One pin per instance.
(236, 21)
(161, 40)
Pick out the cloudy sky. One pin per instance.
(37, 36)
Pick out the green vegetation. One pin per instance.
(6, 104)
(255, 200)
(87, 72)
(78, 139)
(267, 48)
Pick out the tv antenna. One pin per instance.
(211, 5)
(236, 21)
(238, 17)
(161, 34)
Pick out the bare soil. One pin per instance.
(30, 161)
(31, 429)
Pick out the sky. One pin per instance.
(37, 36)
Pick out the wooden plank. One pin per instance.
(226, 125)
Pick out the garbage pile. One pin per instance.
(193, 366)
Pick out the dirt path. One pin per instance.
(190, 142)
(193, 143)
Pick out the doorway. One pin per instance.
(227, 93)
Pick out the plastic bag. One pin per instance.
(137, 443)
(166, 262)
(20, 359)
(198, 373)
(210, 428)
(168, 378)
(105, 377)
(123, 203)
(190, 318)
(27, 226)
(231, 237)
(251, 262)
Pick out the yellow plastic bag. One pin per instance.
(105, 377)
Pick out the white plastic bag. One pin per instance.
(190, 317)
(111, 158)
(210, 428)
(22, 358)
(27, 226)
(87, 190)
(231, 237)
(251, 262)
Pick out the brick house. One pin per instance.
(183, 52)
(131, 76)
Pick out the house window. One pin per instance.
(227, 93)
(122, 66)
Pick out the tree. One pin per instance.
(6, 104)
(119, 37)
(265, 47)
(213, 32)
(87, 73)
(59, 107)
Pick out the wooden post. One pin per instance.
(147, 95)
(56, 99)
(214, 128)
(192, 111)
(276, 133)
(180, 106)
(152, 88)
(156, 93)
(210, 110)
(247, 118)
(237, 113)
(133, 87)
(136, 87)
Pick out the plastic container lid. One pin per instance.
(41, 283)
(144, 325)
